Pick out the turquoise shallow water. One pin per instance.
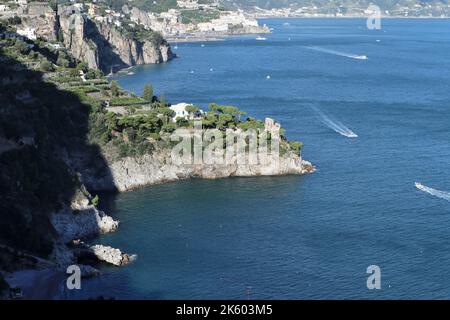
(313, 236)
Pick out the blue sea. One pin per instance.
(313, 236)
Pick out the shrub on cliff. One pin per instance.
(46, 66)
(148, 93)
(95, 200)
(21, 46)
(15, 20)
(114, 88)
(125, 101)
(296, 146)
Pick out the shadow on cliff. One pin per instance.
(108, 59)
(42, 132)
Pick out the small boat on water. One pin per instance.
(259, 38)
(363, 57)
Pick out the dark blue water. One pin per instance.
(313, 236)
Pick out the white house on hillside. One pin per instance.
(180, 111)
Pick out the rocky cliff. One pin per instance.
(103, 46)
(39, 16)
(133, 172)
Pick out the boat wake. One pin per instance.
(334, 124)
(437, 193)
(339, 53)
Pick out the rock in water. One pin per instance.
(112, 255)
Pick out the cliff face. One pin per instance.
(43, 205)
(98, 43)
(103, 46)
(41, 17)
(158, 167)
(130, 51)
(74, 34)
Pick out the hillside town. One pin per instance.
(190, 20)
(410, 10)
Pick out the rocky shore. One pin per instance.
(112, 255)
(83, 223)
(134, 172)
(83, 220)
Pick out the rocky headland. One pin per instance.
(158, 167)
(60, 144)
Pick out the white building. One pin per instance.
(212, 26)
(21, 2)
(180, 111)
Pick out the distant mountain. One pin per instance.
(437, 8)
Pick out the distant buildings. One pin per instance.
(21, 2)
(223, 23)
(180, 112)
(188, 4)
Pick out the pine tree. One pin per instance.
(114, 88)
(148, 93)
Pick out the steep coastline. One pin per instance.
(134, 172)
(98, 43)
(103, 46)
(196, 31)
(54, 134)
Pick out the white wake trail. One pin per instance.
(334, 124)
(339, 53)
(437, 193)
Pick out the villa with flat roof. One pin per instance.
(180, 111)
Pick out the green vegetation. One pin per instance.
(147, 94)
(139, 33)
(198, 16)
(114, 88)
(85, 89)
(95, 200)
(14, 20)
(126, 101)
(153, 6)
(192, 109)
(296, 146)
(46, 66)
(66, 114)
